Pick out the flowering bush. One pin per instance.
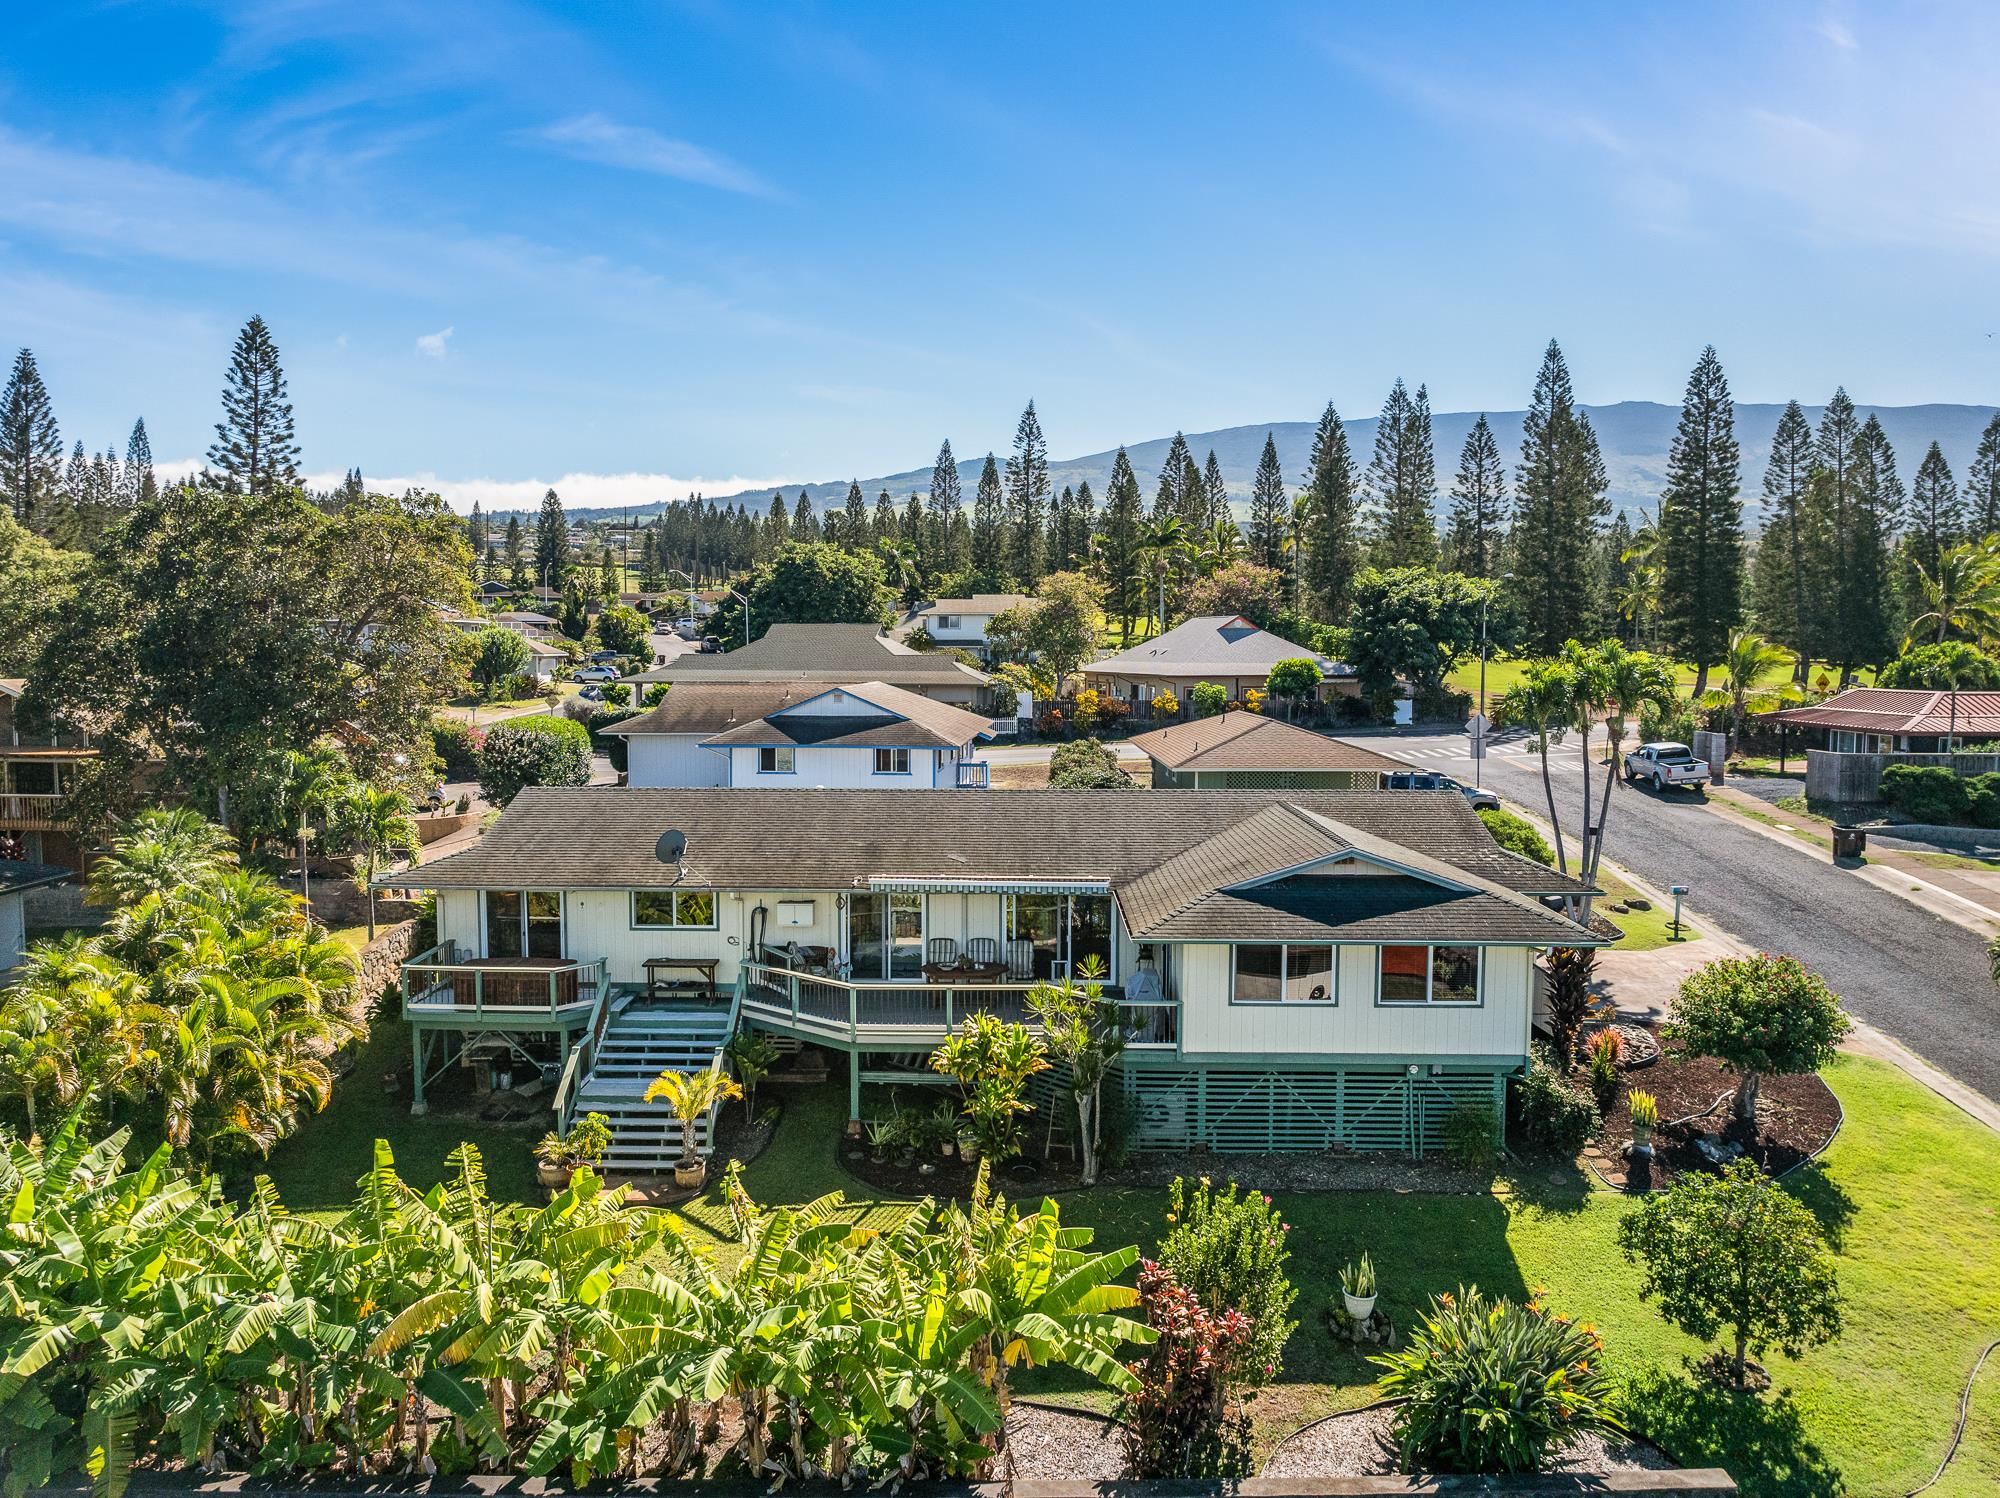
(1493, 1386)
(1166, 705)
(1232, 1252)
(1253, 700)
(1177, 1422)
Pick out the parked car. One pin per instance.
(687, 629)
(430, 803)
(596, 673)
(592, 694)
(1664, 765)
(1431, 780)
(601, 656)
(708, 646)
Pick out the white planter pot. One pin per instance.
(1360, 1307)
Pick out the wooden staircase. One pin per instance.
(639, 1043)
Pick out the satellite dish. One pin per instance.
(671, 848)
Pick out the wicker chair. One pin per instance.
(982, 949)
(1021, 959)
(941, 950)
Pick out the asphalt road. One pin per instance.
(1909, 973)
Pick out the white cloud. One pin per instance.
(578, 490)
(593, 137)
(1838, 34)
(432, 345)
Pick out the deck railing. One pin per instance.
(815, 1004)
(441, 981)
(974, 775)
(32, 806)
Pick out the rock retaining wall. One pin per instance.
(383, 958)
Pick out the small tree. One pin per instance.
(625, 630)
(376, 825)
(1085, 765)
(533, 751)
(1759, 1016)
(991, 1061)
(688, 1095)
(1569, 999)
(1736, 1252)
(1166, 704)
(1293, 679)
(498, 655)
(752, 1054)
(1080, 1028)
(1208, 698)
(1232, 1250)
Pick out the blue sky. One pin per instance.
(635, 247)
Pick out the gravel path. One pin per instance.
(1064, 1445)
(1358, 1444)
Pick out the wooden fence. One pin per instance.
(1831, 776)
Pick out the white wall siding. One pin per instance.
(13, 929)
(674, 760)
(838, 769)
(1354, 1024)
(458, 919)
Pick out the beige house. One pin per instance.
(1248, 751)
(1225, 649)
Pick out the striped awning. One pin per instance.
(961, 884)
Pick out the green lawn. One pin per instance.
(1501, 675)
(1908, 1188)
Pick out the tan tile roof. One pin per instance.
(1251, 741)
(978, 603)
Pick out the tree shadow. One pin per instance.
(1824, 1197)
(1560, 1186)
(1760, 1440)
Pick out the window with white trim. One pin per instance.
(1268, 973)
(652, 908)
(1428, 975)
(773, 759)
(892, 761)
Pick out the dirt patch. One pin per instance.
(951, 1176)
(1358, 1444)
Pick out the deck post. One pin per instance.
(853, 1014)
(792, 983)
(854, 1087)
(418, 1107)
(950, 1019)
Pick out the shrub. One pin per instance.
(1231, 1251)
(1736, 1252)
(1549, 1115)
(457, 745)
(1208, 699)
(1494, 1386)
(1982, 800)
(1517, 835)
(1468, 1136)
(1177, 1422)
(1675, 723)
(1925, 793)
(1166, 704)
(655, 694)
(542, 750)
(1569, 999)
(1603, 1072)
(1939, 668)
(1085, 765)
(1758, 1016)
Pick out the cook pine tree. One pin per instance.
(1270, 509)
(1478, 505)
(1937, 514)
(254, 447)
(1982, 483)
(1788, 591)
(805, 524)
(1216, 489)
(1559, 504)
(30, 445)
(989, 526)
(1332, 551)
(138, 486)
(551, 544)
(946, 505)
(1117, 544)
(1402, 482)
(1027, 500)
(1865, 616)
(1701, 523)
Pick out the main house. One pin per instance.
(802, 734)
(1294, 970)
(1225, 649)
(960, 623)
(38, 770)
(830, 654)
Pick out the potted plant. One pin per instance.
(1645, 1109)
(968, 1142)
(944, 1129)
(559, 1156)
(882, 1133)
(691, 1095)
(1357, 1289)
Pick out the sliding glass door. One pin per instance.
(1062, 931)
(885, 936)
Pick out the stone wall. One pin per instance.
(383, 958)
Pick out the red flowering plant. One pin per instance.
(1233, 1250)
(1179, 1421)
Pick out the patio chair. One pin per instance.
(982, 949)
(941, 950)
(1021, 959)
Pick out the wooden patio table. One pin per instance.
(949, 973)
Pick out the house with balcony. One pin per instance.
(1291, 969)
(960, 623)
(830, 655)
(37, 772)
(775, 735)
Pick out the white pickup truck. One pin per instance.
(1665, 765)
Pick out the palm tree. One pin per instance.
(688, 1095)
(900, 561)
(310, 784)
(1221, 544)
(1962, 597)
(1749, 659)
(1166, 542)
(1623, 681)
(157, 852)
(1639, 600)
(377, 825)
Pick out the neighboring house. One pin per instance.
(16, 880)
(492, 588)
(1886, 720)
(544, 660)
(1248, 751)
(960, 623)
(1226, 649)
(777, 734)
(527, 623)
(1294, 970)
(37, 770)
(831, 654)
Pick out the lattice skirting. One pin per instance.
(1249, 1109)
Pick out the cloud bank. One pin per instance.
(578, 490)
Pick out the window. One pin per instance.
(1430, 975)
(772, 760)
(892, 761)
(523, 924)
(1275, 974)
(947, 621)
(677, 907)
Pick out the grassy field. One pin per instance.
(1501, 675)
(1907, 1189)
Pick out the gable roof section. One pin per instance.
(1251, 741)
(832, 653)
(705, 707)
(1895, 710)
(765, 713)
(1213, 644)
(978, 603)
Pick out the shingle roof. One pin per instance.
(1894, 710)
(1251, 741)
(759, 714)
(605, 838)
(706, 707)
(1214, 644)
(832, 653)
(978, 603)
(16, 876)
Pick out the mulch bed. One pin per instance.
(1044, 1442)
(1357, 1444)
(1796, 1117)
(1308, 1170)
(949, 1176)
